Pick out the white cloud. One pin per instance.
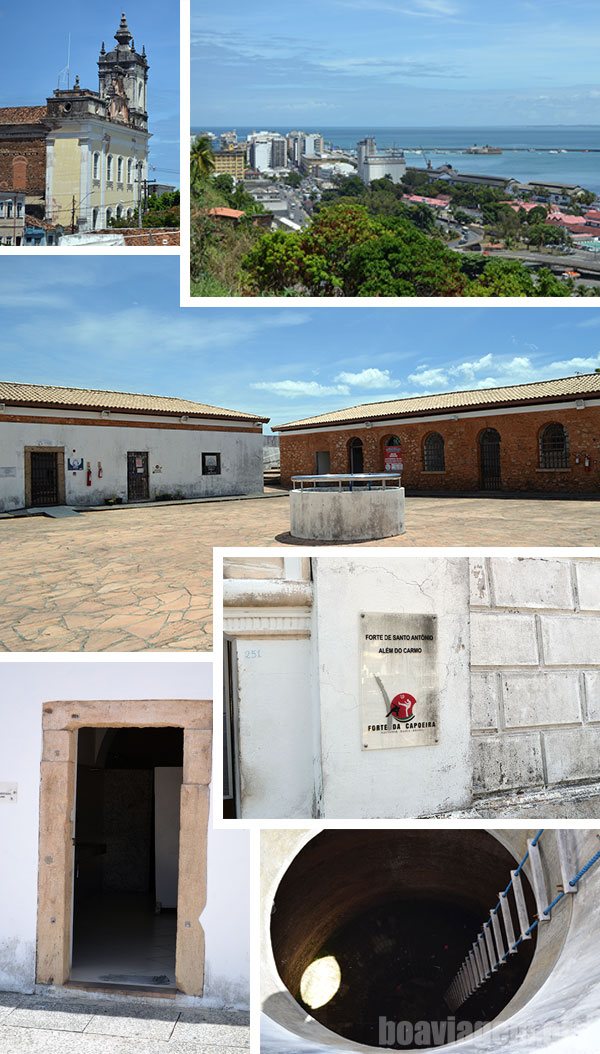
(368, 378)
(181, 331)
(295, 389)
(416, 9)
(469, 369)
(576, 365)
(428, 378)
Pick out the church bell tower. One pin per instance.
(123, 80)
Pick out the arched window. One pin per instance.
(119, 212)
(109, 167)
(95, 213)
(108, 216)
(119, 170)
(355, 455)
(554, 447)
(434, 459)
(129, 170)
(96, 166)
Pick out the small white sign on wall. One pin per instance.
(8, 792)
(400, 689)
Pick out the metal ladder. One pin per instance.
(496, 941)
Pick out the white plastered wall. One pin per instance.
(519, 676)
(24, 688)
(174, 460)
(409, 781)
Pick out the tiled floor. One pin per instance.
(33, 1025)
(140, 578)
(118, 935)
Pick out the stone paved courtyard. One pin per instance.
(133, 579)
(35, 1025)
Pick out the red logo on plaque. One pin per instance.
(401, 707)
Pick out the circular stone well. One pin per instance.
(387, 917)
(347, 508)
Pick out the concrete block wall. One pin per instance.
(535, 672)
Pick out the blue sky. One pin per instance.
(120, 328)
(395, 63)
(35, 38)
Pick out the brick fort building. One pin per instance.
(543, 436)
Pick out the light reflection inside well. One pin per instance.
(320, 982)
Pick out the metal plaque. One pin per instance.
(399, 681)
(8, 792)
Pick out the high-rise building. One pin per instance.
(230, 162)
(266, 151)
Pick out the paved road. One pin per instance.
(34, 1025)
(586, 263)
(133, 579)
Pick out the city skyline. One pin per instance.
(31, 82)
(376, 62)
(267, 361)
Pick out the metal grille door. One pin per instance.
(137, 476)
(490, 460)
(357, 460)
(44, 478)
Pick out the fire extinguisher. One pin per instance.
(88, 475)
(100, 470)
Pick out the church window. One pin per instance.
(96, 166)
(109, 167)
(120, 170)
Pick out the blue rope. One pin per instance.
(560, 896)
(584, 870)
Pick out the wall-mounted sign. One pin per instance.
(8, 472)
(8, 792)
(75, 464)
(393, 459)
(399, 681)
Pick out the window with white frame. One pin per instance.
(109, 167)
(96, 166)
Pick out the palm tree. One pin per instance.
(202, 160)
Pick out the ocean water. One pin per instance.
(527, 157)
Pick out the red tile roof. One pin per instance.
(22, 114)
(230, 214)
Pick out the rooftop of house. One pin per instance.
(580, 386)
(23, 114)
(51, 396)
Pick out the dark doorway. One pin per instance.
(356, 456)
(138, 487)
(230, 750)
(489, 445)
(126, 856)
(323, 463)
(44, 478)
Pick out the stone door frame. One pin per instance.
(61, 722)
(59, 452)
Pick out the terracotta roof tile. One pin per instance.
(486, 398)
(14, 394)
(22, 114)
